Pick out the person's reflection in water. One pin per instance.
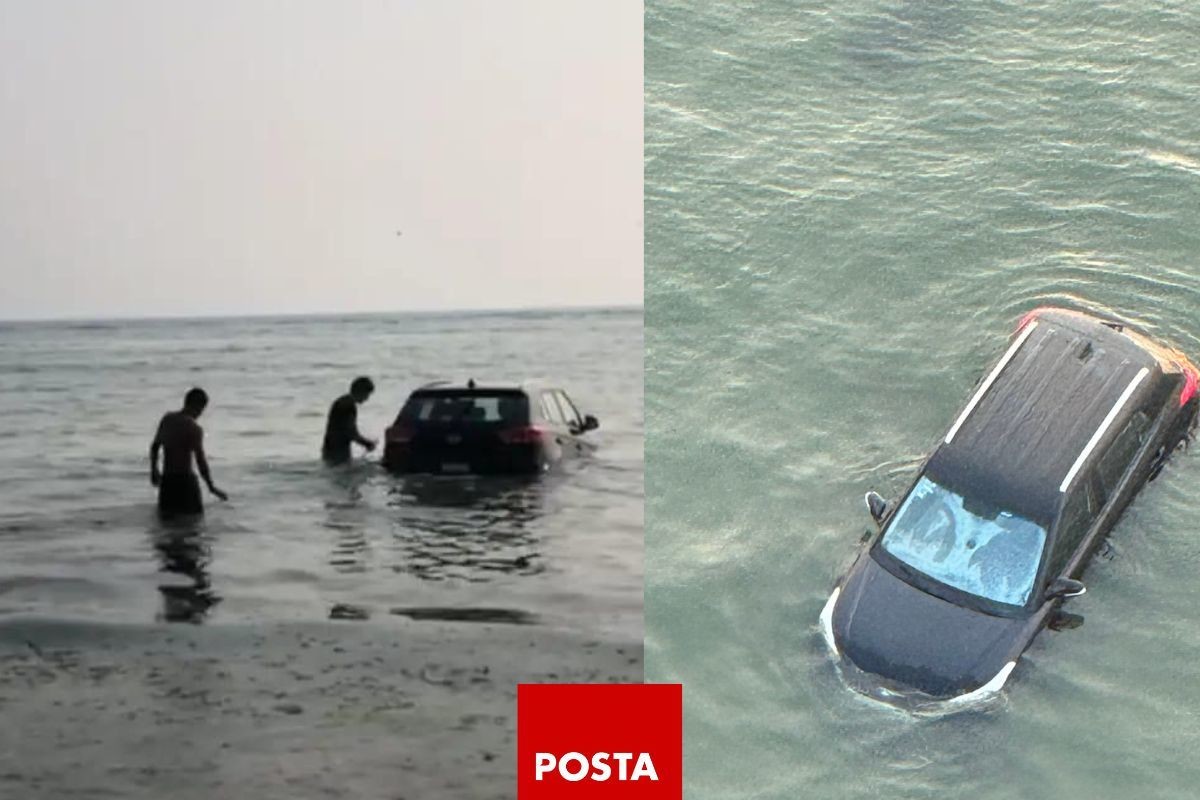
(347, 515)
(183, 549)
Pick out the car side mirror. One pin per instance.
(1065, 587)
(590, 423)
(877, 506)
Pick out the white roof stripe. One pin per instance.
(1104, 426)
(991, 378)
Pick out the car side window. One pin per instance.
(1078, 515)
(550, 409)
(570, 413)
(1116, 460)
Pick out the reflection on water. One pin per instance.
(350, 548)
(434, 529)
(470, 529)
(506, 616)
(347, 515)
(185, 550)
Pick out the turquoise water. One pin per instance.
(848, 207)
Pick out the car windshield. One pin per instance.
(994, 554)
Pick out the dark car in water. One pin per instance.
(1003, 517)
(469, 429)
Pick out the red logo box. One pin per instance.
(599, 740)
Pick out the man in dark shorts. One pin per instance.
(180, 438)
(342, 427)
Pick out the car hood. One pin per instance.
(904, 635)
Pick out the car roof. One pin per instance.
(476, 386)
(1063, 389)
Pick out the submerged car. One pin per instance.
(1002, 519)
(486, 430)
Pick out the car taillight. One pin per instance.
(526, 434)
(1030, 317)
(1190, 380)
(399, 434)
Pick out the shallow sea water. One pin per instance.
(849, 206)
(299, 541)
(328, 632)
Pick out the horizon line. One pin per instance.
(328, 314)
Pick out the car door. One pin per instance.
(1079, 514)
(1096, 501)
(560, 437)
(1112, 485)
(575, 422)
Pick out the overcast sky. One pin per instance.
(169, 158)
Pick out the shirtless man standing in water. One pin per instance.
(180, 436)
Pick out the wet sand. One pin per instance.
(421, 709)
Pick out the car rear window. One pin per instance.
(468, 407)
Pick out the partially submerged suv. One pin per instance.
(485, 430)
(981, 551)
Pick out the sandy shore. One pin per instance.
(339, 709)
